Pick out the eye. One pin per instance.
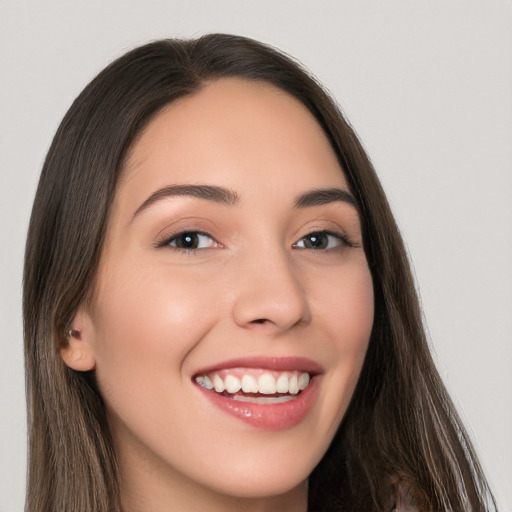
(190, 241)
(322, 240)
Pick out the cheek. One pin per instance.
(145, 326)
(347, 315)
(347, 310)
(355, 311)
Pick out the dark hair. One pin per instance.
(401, 429)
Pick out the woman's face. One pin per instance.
(233, 258)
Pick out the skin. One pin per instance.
(160, 314)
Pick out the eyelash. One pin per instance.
(343, 240)
(168, 241)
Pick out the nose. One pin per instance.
(269, 294)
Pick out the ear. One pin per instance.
(77, 349)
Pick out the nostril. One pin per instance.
(259, 321)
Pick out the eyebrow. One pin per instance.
(323, 196)
(209, 192)
(228, 197)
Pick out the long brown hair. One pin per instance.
(401, 429)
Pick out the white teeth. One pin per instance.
(205, 381)
(218, 383)
(267, 384)
(282, 383)
(255, 381)
(249, 384)
(293, 385)
(303, 381)
(233, 384)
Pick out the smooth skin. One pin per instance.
(255, 275)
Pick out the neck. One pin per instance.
(177, 495)
(148, 483)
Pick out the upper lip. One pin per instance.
(301, 364)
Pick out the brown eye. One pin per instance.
(321, 240)
(316, 241)
(190, 240)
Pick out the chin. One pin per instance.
(256, 477)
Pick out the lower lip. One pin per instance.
(278, 416)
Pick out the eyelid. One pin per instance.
(344, 240)
(165, 241)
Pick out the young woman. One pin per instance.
(219, 312)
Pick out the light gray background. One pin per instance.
(428, 86)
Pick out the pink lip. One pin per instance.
(283, 364)
(278, 416)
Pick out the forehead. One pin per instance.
(233, 130)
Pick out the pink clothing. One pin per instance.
(403, 502)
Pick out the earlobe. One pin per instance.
(76, 350)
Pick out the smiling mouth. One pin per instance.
(254, 385)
